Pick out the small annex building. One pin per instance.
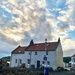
(38, 54)
(72, 61)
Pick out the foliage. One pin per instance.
(6, 58)
(60, 68)
(66, 59)
(50, 69)
(23, 65)
(4, 63)
(18, 71)
(32, 66)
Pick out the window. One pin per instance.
(46, 52)
(28, 61)
(20, 61)
(48, 63)
(43, 62)
(15, 60)
(74, 59)
(35, 53)
(29, 53)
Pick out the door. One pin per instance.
(38, 64)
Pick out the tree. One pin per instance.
(66, 59)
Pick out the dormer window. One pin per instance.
(47, 45)
(19, 51)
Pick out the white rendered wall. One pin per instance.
(59, 55)
(73, 62)
(40, 55)
(34, 58)
(18, 57)
(51, 57)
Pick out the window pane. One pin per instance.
(35, 53)
(46, 52)
(43, 62)
(48, 62)
(15, 60)
(20, 61)
(29, 53)
(74, 59)
(28, 61)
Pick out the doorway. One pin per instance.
(38, 64)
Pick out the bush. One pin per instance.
(42, 67)
(60, 68)
(32, 66)
(23, 65)
(50, 69)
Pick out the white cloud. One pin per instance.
(31, 19)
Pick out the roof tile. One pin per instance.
(36, 47)
(19, 50)
(43, 46)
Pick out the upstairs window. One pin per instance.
(29, 53)
(35, 53)
(46, 52)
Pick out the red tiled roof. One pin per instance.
(36, 47)
(41, 46)
(19, 50)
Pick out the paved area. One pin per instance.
(62, 73)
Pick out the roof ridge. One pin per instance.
(44, 42)
(23, 46)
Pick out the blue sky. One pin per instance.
(23, 20)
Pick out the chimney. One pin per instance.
(45, 44)
(45, 40)
(58, 40)
(31, 42)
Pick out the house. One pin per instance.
(38, 54)
(73, 61)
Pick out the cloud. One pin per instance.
(23, 20)
(69, 52)
(29, 16)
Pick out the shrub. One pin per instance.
(42, 67)
(23, 65)
(60, 68)
(32, 66)
(50, 69)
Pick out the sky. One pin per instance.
(23, 20)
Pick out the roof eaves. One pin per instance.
(16, 48)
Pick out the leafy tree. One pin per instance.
(66, 59)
